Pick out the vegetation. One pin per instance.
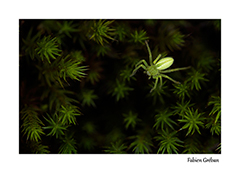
(77, 94)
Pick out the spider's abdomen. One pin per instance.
(152, 70)
(164, 63)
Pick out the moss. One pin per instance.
(77, 95)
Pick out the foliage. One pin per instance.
(195, 78)
(215, 127)
(216, 101)
(214, 122)
(206, 62)
(157, 94)
(141, 144)
(130, 119)
(87, 97)
(68, 146)
(191, 146)
(56, 126)
(168, 142)
(219, 147)
(125, 74)
(61, 69)
(76, 94)
(182, 90)
(172, 38)
(116, 148)
(94, 74)
(163, 119)
(100, 31)
(182, 107)
(30, 44)
(121, 31)
(70, 68)
(175, 40)
(48, 48)
(38, 148)
(139, 37)
(192, 120)
(66, 27)
(31, 125)
(68, 114)
(120, 90)
(57, 97)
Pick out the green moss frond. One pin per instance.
(32, 124)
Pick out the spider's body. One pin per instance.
(157, 68)
(152, 70)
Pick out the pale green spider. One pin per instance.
(157, 68)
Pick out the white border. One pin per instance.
(13, 11)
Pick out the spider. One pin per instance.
(156, 69)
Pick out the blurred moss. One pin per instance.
(82, 67)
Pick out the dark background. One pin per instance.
(201, 38)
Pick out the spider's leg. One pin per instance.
(176, 69)
(163, 75)
(142, 61)
(155, 85)
(135, 70)
(150, 53)
(155, 61)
